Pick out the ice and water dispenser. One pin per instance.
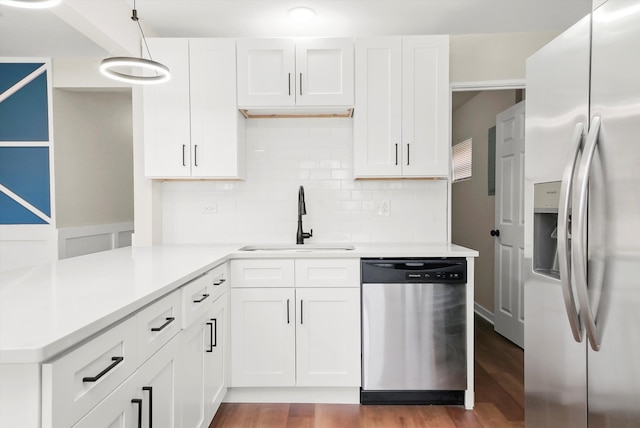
(546, 198)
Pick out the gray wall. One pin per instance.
(473, 210)
(485, 57)
(93, 157)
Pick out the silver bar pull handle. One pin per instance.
(564, 255)
(578, 244)
(183, 156)
(408, 155)
(289, 83)
(396, 154)
(195, 155)
(300, 83)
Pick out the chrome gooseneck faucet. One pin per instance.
(302, 210)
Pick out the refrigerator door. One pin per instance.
(614, 218)
(557, 101)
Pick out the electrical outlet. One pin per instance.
(385, 208)
(209, 209)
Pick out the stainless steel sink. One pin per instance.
(298, 247)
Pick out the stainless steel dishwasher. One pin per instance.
(414, 331)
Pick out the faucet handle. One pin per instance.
(309, 234)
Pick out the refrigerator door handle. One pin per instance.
(564, 262)
(578, 244)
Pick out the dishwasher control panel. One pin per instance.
(429, 270)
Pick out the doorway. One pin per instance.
(472, 200)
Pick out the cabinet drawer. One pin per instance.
(262, 273)
(196, 297)
(327, 273)
(157, 324)
(219, 283)
(74, 383)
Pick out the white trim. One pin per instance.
(23, 82)
(25, 144)
(84, 234)
(469, 394)
(25, 204)
(488, 85)
(483, 312)
(334, 395)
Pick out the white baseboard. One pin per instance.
(483, 312)
(337, 395)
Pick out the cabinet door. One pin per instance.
(217, 142)
(166, 113)
(116, 410)
(156, 380)
(266, 72)
(425, 106)
(377, 116)
(215, 361)
(328, 337)
(262, 337)
(324, 72)
(153, 386)
(195, 340)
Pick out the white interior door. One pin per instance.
(509, 225)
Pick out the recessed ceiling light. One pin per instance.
(31, 4)
(302, 14)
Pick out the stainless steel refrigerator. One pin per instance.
(582, 225)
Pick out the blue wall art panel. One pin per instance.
(25, 172)
(11, 212)
(23, 114)
(13, 72)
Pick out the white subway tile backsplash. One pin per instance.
(283, 154)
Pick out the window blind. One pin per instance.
(461, 160)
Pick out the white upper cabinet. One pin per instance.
(217, 129)
(401, 117)
(192, 128)
(166, 124)
(301, 72)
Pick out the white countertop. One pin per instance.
(48, 308)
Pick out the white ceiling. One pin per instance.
(42, 33)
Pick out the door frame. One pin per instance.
(486, 85)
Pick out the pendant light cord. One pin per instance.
(111, 67)
(134, 17)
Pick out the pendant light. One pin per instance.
(110, 66)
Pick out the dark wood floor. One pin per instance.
(499, 381)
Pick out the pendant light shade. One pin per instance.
(31, 4)
(121, 68)
(109, 67)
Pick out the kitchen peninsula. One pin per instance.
(53, 318)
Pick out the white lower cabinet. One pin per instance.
(328, 337)
(202, 365)
(147, 398)
(296, 336)
(263, 337)
(163, 367)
